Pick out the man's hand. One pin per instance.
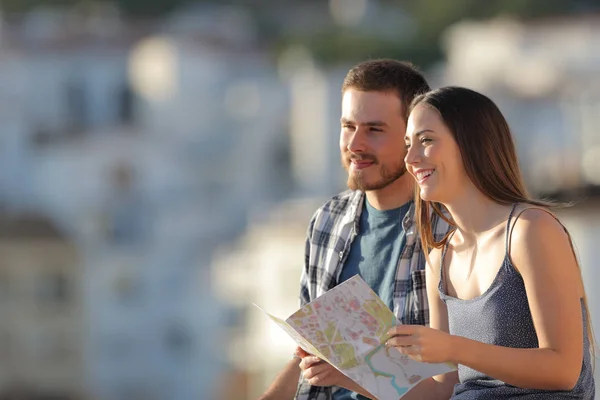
(318, 372)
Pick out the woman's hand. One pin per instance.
(421, 343)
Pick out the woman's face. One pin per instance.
(433, 157)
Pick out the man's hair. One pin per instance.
(386, 75)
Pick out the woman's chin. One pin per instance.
(426, 195)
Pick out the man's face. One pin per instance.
(372, 139)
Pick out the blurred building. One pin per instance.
(145, 151)
(43, 320)
(545, 76)
(262, 269)
(61, 81)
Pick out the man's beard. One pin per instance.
(357, 180)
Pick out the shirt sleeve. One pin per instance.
(305, 277)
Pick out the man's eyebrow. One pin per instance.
(376, 123)
(419, 133)
(370, 123)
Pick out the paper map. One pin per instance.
(347, 327)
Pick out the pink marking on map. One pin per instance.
(355, 305)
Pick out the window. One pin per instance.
(4, 288)
(126, 104)
(178, 340)
(127, 288)
(76, 99)
(53, 288)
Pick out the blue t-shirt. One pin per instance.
(374, 256)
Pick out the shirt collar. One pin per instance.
(356, 208)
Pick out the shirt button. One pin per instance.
(341, 255)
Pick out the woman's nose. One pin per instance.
(412, 155)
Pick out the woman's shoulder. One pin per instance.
(536, 234)
(533, 223)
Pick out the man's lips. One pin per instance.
(361, 164)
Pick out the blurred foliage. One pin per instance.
(336, 44)
(137, 8)
(432, 18)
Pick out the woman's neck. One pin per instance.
(476, 214)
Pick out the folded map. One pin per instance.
(347, 327)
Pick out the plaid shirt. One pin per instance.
(331, 232)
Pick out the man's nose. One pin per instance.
(356, 142)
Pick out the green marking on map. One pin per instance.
(347, 355)
(326, 351)
(368, 359)
(330, 331)
(320, 337)
(382, 314)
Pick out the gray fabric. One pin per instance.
(501, 316)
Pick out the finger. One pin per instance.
(318, 369)
(414, 353)
(309, 361)
(300, 352)
(411, 351)
(321, 380)
(400, 341)
(402, 330)
(317, 375)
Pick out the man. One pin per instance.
(369, 229)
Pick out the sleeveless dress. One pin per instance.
(501, 316)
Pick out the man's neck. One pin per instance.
(393, 195)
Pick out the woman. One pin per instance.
(507, 302)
